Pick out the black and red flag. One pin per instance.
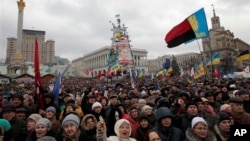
(193, 27)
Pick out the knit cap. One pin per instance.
(5, 125)
(95, 105)
(46, 138)
(222, 116)
(52, 109)
(196, 120)
(71, 118)
(119, 123)
(34, 117)
(45, 122)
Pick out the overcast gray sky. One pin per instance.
(82, 26)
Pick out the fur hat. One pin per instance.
(34, 117)
(196, 120)
(119, 123)
(95, 105)
(52, 109)
(45, 122)
(71, 118)
(5, 125)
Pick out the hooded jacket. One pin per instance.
(167, 133)
(90, 134)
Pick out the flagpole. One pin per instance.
(38, 80)
(202, 60)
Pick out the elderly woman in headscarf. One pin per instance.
(122, 131)
(199, 131)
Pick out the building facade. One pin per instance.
(97, 61)
(222, 41)
(188, 60)
(46, 48)
(155, 64)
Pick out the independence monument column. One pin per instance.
(17, 61)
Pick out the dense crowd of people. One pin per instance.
(90, 109)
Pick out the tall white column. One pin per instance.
(21, 6)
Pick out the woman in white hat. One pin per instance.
(122, 130)
(199, 131)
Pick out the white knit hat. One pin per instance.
(96, 104)
(196, 120)
(224, 107)
(145, 107)
(119, 123)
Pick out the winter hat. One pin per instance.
(19, 96)
(52, 109)
(119, 123)
(222, 116)
(9, 108)
(163, 112)
(191, 103)
(113, 96)
(45, 122)
(209, 93)
(197, 99)
(46, 138)
(235, 92)
(21, 110)
(34, 117)
(95, 105)
(196, 120)
(71, 118)
(204, 99)
(5, 125)
(224, 107)
(145, 107)
(243, 91)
